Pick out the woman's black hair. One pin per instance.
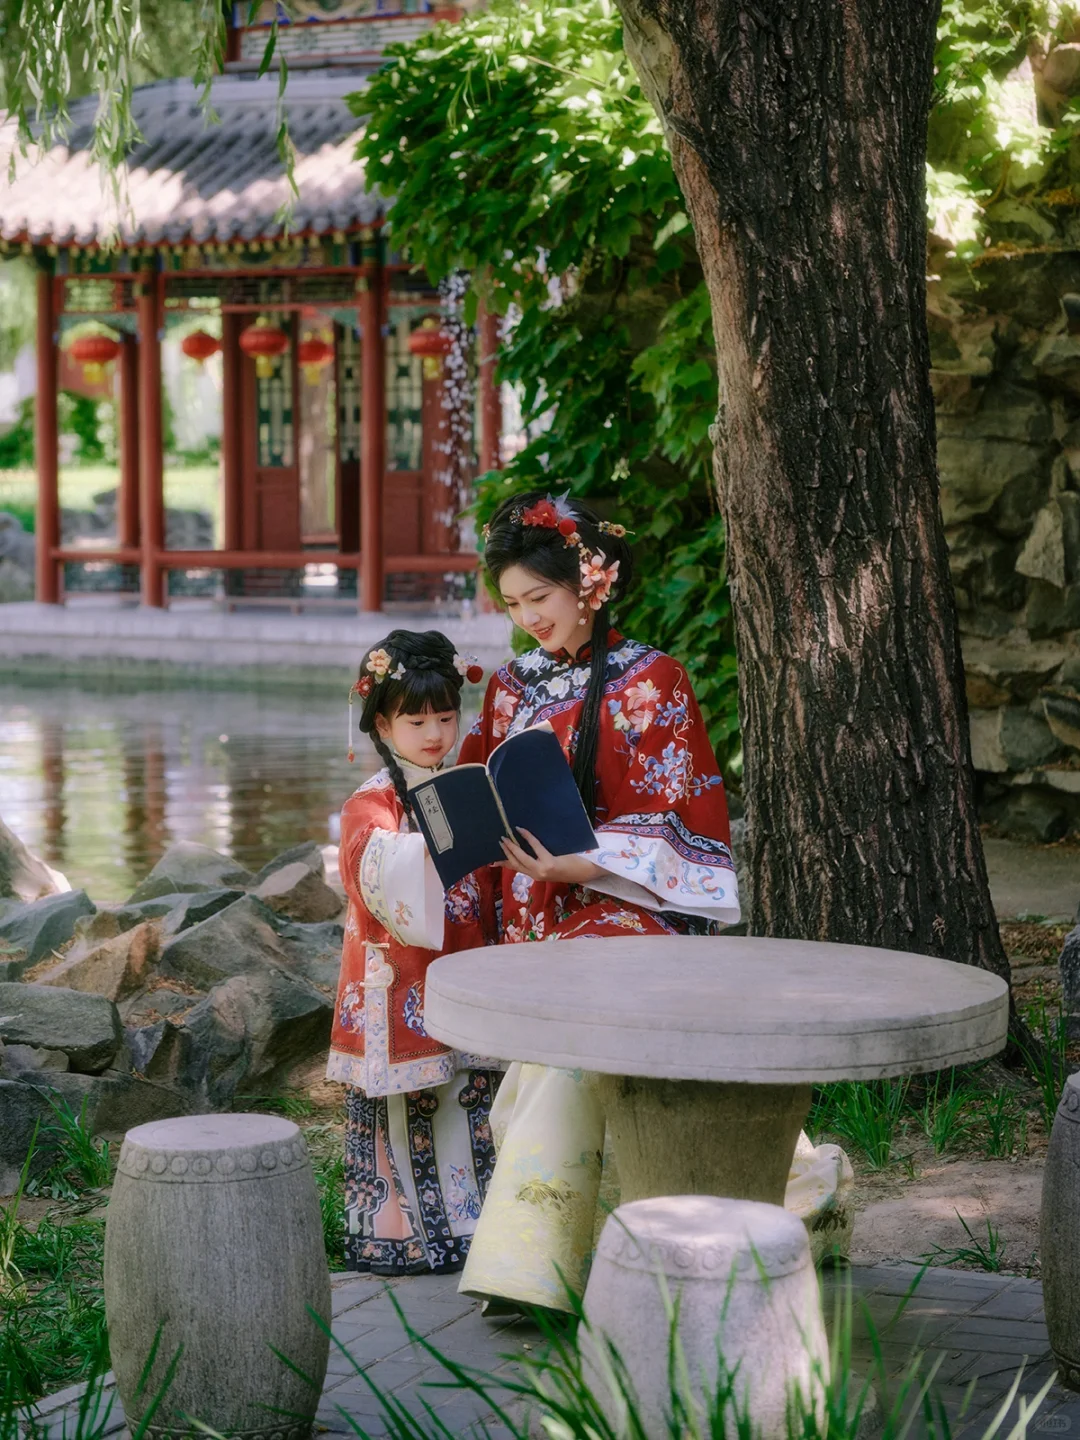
(431, 682)
(545, 553)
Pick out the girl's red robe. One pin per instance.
(398, 922)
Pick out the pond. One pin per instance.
(99, 777)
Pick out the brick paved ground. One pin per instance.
(980, 1329)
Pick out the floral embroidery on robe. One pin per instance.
(661, 820)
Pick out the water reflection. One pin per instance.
(100, 778)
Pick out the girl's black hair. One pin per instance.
(431, 683)
(544, 552)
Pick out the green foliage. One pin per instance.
(80, 416)
(80, 1161)
(17, 448)
(518, 147)
(999, 161)
(975, 1254)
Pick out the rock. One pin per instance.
(1069, 965)
(1026, 739)
(1029, 814)
(1011, 738)
(740, 1274)
(16, 543)
(248, 1029)
(230, 942)
(1043, 555)
(309, 854)
(29, 932)
(113, 1104)
(983, 568)
(22, 875)
(1069, 505)
(314, 951)
(112, 920)
(1015, 663)
(986, 752)
(979, 477)
(1062, 711)
(115, 968)
(16, 1060)
(1051, 610)
(16, 582)
(187, 867)
(194, 909)
(983, 694)
(85, 1027)
(299, 893)
(1057, 360)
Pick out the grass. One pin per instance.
(865, 1115)
(187, 487)
(81, 1160)
(1049, 1068)
(975, 1254)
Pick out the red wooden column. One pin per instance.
(232, 454)
(372, 439)
(46, 444)
(127, 510)
(490, 400)
(151, 463)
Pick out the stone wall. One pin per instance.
(1006, 373)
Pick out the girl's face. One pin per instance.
(423, 739)
(546, 611)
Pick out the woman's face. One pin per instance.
(424, 739)
(546, 611)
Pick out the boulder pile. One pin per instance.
(208, 983)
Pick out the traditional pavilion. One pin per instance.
(339, 444)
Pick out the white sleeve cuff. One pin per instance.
(399, 886)
(647, 871)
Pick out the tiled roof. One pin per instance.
(192, 181)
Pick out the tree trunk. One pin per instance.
(798, 131)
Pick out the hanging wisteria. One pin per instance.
(455, 445)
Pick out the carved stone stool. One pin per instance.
(1059, 1237)
(213, 1233)
(742, 1276)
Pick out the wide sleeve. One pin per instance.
(389, 872)
(664, 834)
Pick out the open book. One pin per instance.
(465, 812)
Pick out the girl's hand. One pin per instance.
(542, 865)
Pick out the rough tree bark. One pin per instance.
(798, 131)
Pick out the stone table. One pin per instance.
(706, 1048)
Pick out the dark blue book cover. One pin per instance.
(465, 812)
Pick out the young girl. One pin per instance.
(418, 1150)
(632, 731)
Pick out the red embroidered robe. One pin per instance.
(398, 922)
(661, 821)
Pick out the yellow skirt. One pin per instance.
(535, 1237)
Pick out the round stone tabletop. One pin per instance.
(780, 1012)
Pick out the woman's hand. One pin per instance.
(542, 865)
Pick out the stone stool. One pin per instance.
(742, 1275)
(1059, 1235)
(213, 1233)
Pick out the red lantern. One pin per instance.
(93, 353)
(264, 342)
(314, 353)
(431, 342)
(199, 346)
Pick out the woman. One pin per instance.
(631, 729)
